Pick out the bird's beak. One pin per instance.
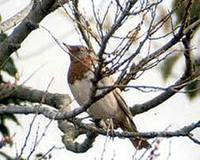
(69, 47)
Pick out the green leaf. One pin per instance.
(11, 117)
(192, 90)
(10, 67)
(3, 36)
(5, 156)
(167, 66)
(1, 79)
(194, 11)
(4, 130)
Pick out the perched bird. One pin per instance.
(111, 106)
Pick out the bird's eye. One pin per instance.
(81, 49)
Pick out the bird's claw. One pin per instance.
(110, 128)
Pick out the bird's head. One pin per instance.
(77, 51)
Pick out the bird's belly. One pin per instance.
(81, 90)
(106, 107)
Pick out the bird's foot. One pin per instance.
(110, 128)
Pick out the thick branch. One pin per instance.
(182, 132)
(14, 20)
(55, 100)
(33, 95)
(71, 133)
(30, 23)
(170, 91)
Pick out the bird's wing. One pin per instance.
(123, 105)
(107, 81)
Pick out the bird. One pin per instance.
(112, 106)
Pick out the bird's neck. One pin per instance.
(79, 67)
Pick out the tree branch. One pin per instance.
(71, 133)
(24, 93)
(170, 91)
(186, 78)
(177, 37)
(56, 115)
(29, 23)
(14, 20)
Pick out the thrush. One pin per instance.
(112, 105)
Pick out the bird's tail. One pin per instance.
(138, 143)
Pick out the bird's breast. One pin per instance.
(106, 107)
(82, 88)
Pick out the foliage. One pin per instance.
(10, 68)
(168, 65)
(180, 11)
(192, 89)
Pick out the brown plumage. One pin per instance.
(112, 106)
(77, 71)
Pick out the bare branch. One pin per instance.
(182, 132)
(115, 26)
(195, 140)
(170, 91)
(78, 20)
(140, 66)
